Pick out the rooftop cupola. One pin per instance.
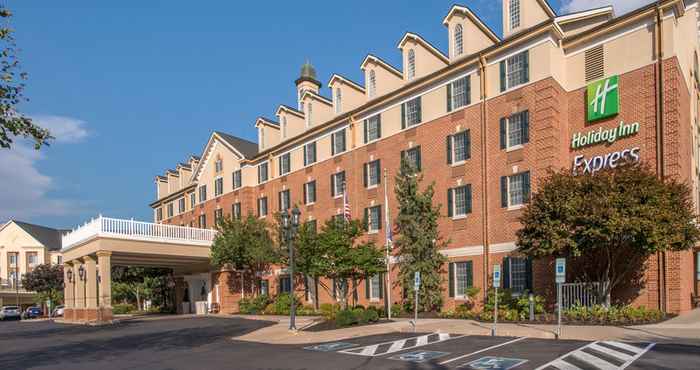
(306, 82)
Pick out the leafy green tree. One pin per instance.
(418, 242)
(244, 245)
(13, 123)
(47, 281)
(608, 223)
(337, 256)
(141, 284)
(309, 255)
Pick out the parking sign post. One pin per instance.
(496, 285)
(560, 278)
(416, 287)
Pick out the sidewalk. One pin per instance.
(681, 330)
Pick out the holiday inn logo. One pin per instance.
(603, 99)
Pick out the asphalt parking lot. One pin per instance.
(207, 343)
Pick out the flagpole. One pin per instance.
(387, 241)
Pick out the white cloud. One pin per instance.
(620, 6)
(64, 129)
(24, 190)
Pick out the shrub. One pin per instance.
(371, 316)
(613, 314)
(306, 311)
(256, 305)
(360, 315)
(360, 306)
(396, 310)
(345, 318)
(283, 304)
(329, 310)
(122, 308)
(379, 310)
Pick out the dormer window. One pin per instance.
(372, 90)
(458, 42)
(514, 14)
(338, 101)
(309, 112)
(262, 138)
(411, 64)
(218, 166)
(283, 127)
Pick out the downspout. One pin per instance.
(484, 182)
(660, 163)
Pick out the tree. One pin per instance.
(47, 281)
(244, 245)
(419, 242)
(141, 283)
(13, 123)
(609, 223)
(309, 255)
(335, 255)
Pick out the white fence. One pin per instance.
(580, 294)
(137, 230)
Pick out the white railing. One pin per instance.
(8, 285)
(137, 230)
(580, 294)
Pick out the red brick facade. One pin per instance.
(555, 115)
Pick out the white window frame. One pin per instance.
(464, 99)
(370, 211)
(338, 185)
(511, 178)
(171, 209)
(371, 185)
(181, 205)
(374, 296)
(512, 61)
(265, 164)
(285, 196)
(514, 14)
(509, 146)
(307, 151)
(522, 264)
(336, 135)
(376, 122)
(460, 294)
(338, 100)
(372, 84)
(415, 149)
(458, 40)
(237, 211)
(237, 179)
(411, 64)
(199, 194)
(218, 193)
(260, 208)
(411, 111)
(285, 158)
(455, 214)
(218, 165)
(159, 214)
(193, 199)
(453, 138)
(307, 186)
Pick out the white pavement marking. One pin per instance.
(399, 345)
(482, 350)
(561, 363)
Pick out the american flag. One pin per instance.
(346, 204)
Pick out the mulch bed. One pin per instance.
(330, 325)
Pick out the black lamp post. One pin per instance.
(290, 228)
(70, 275)
(81, 273)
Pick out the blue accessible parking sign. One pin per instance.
(495, 363)
(418, 356)
(330, 347)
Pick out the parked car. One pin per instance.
(10, 312)
(57, 312)
(32, 313)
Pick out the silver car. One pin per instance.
(10, 312)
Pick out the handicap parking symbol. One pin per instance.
(418, 356)
(495, 363)
(330, 347)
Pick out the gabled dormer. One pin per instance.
(467, 33)
(291, 122)
(519, 15)
(420, 58)
(173, 180)
(161, 186)
(193, 161)
(317, 109)
(347, 95)
(185, 172)
(575, 23)
(380, 76)
(268, 133)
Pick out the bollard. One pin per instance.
(531, 298)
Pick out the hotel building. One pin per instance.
(484, 121)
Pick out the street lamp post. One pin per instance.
(290, 229)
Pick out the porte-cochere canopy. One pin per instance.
(90, 251)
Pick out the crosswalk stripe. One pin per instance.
(612, 353)
(443, 336)
(369, 350)
(399, 345)
(593, 360)
(422, 341)
(562, 365)
(624, 346)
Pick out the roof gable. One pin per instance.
(474, 18)
(435, 51)
(48, 237)
(241, 148)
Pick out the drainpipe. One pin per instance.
(484, 182)
(660, 163)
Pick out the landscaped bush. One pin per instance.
(613, 315)
(253, 306)
(123, 308)
(371, 315)
(329, 310)
(281, 305)
(359, 313)
(396, 310)
(345, 318)
(379, 310)
(511, 308)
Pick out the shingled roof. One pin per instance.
(48, 237)
(249, 149)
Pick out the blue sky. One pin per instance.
(132, 87)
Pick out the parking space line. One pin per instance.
(610, 352)
(637, 356)
(483, 350)
(400, 345)
(593, 360)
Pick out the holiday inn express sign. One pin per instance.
(603, 98)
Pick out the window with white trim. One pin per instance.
(181, 205)
(310, 192)
(372, 89)
(262, 207)
(459, 201)
(458, 93)
(337, 184)
(218, 216)
(171, 213)
(159, 214)
(373, 128)
(237, 179)
(202, 221)
(193, 200)
(411, 73)
(309, 112)
(285, 200)
(458, 41)
(338, 101)
(517, 274)
(458, 147)
(413, 157)
(514, 14)
(284, 163)
(236, 210)
(411, 113)
(218, 186)
(463, 278)
(373, 217)
(309, 153)
(338, 142)
(372, 174)
(515, 130)
(375, 287)
(515, 190)
(262, 172)
(515, 70)
(202, 194)
(218, 165)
